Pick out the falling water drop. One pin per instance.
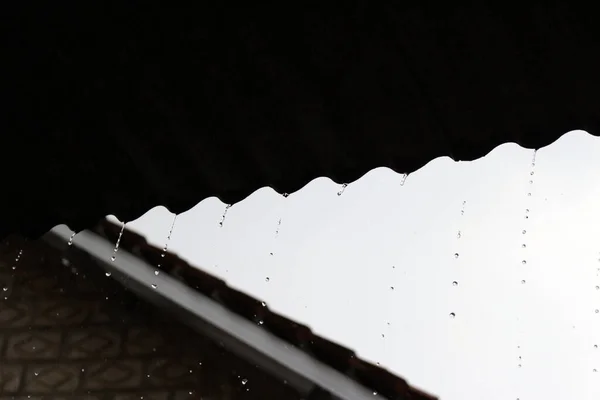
(456, 255)
(404, 176)
(263, 304)
(524, 262)
(595, 346)
(454, 283)
(523, 282)
(391, 288)
(452, 315)
(108, 274)
(224, 215)
(597, 287)
(458, 235)
(596, 311)
(267, 279)
(244, 381)
(523, 245)
(524, 231)
(344, 186)
(278, 225)
(114, 256)
(70, 242)
(154, 286)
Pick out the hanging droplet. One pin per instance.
(344, 186)
(452, 315)
(404, 176)
(455, 283)
(285, 194)
(224, 215)
(70, 242)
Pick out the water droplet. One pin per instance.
(455, 255)
(244, 381)
(113, 258)
(285, 195)
(70, 242)
(594, 370)
(523, 282)
(597, 287)
(383, 335)
(5, 289)
(261, 322)
(528, 194)
(531, 173)
(374, 393)
(531, 182)
(524, 231)
(458, 235)
(224, 215)
(156, 272)
(271, 254)
(455, 283)
(267, 279)
(107, 274)
(523, 245)
(595, 346)
(404, 176)
(263, 304)
(154, 286)
(596, 311)
(452, 315)
(524, 262)
(519, 365)
(344, 186)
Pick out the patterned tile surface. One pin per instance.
(67, 334)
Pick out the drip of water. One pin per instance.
(344, 186)
(70, 242)
(225, 214)
(166, 246)
(404, 176)
(278, 225)
(114, 256)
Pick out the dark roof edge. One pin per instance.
(256, 312)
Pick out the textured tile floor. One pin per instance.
(68, 332)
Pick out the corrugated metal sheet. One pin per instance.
(340, 358)
(119, 110)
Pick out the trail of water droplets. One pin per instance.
(457, 255)
(164, 249)
(116, 249)
(524, 244)
(224, 215)
(7, 290)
